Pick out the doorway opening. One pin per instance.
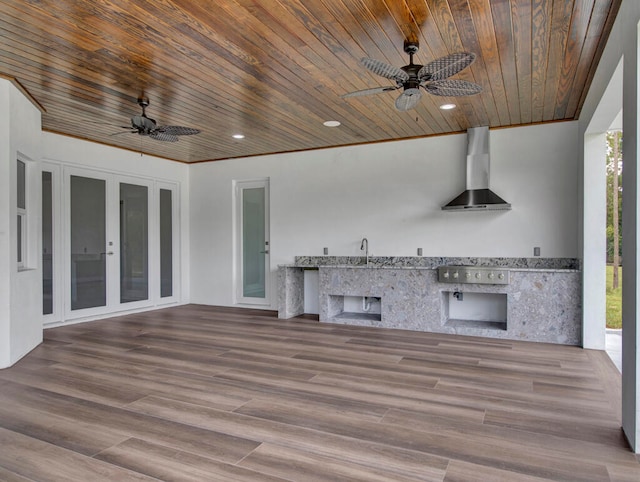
(613, 317)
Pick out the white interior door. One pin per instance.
(252, 247)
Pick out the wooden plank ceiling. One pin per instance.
(275, 70)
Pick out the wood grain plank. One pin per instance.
(541, 12)
(502, 17)
(521, 24)
(82, 437)
(291, 463)
(560, 21)
(483, 41)
(36, 460)
(169, 464)
(576, 38)
(461, 471)
(556, 425)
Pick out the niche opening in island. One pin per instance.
(475, 310)
(355, 308)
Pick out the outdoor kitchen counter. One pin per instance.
(540, 303)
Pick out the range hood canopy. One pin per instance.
(477, 196)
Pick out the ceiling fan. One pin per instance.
(146, 126)
(433, 77)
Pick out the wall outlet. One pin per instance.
(325, 251)
(419, 251)
(536, 251)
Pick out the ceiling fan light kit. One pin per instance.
(432, 77)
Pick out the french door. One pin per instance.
(109, 243)
(252, 241)
(108, 246)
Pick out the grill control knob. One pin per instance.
(490, 275)
(455, 275)
(445, 275)
(478, 275)
(500, 276)
(468, 275)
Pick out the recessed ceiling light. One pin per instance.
(331, 123)
(238, 136)
(448, 106)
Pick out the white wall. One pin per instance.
(391, 193)
(5, 234)
(68, 151)
(20, 291)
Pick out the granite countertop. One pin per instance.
(353, 266)
(419, 262)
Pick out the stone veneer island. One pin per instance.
(541, 302)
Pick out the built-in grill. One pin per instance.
(473, 274)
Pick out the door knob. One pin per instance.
(265, 252)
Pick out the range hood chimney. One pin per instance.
(477, 196)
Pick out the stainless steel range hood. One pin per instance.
(477, 196)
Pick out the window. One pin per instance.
(21, 226)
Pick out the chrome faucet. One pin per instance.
(365, 246)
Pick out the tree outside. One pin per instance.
(614, 228)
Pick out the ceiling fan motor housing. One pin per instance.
(143, 123)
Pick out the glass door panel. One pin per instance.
(166, 243)
(47, 243)
(134, 243)
(88, 245)
(253, 243)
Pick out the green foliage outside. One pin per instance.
(610, 194)
(614, 196)
(614, 300)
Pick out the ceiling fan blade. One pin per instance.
(385, 70)
(129, 131)
(408, 99)
(452, 88)
(177, 130)
(161, 136)
(375, 90)
(446, 66)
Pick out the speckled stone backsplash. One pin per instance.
(434, 262)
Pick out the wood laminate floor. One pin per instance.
(203, 393)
